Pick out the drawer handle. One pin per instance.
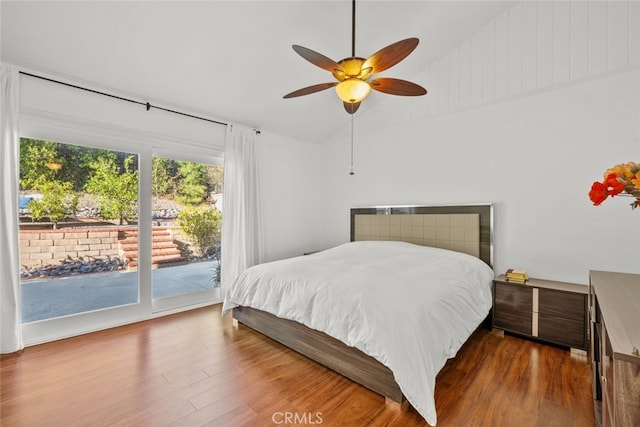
(604, 379)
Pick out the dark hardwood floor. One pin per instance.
(195, 368)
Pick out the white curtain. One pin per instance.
(10, 305)
(241, 218)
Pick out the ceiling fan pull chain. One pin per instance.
(351, 172)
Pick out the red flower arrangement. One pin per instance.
(622, 179)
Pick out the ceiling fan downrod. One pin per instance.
(353, 28)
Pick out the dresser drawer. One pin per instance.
(606, 378)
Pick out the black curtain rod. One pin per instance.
(147, 105)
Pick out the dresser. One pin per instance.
(547, 310)
(614, 311)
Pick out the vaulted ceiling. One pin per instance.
(231, 60)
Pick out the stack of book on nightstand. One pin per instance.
(516, 276)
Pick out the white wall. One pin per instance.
(291, 195)
(533, 152)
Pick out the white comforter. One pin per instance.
(410, 307)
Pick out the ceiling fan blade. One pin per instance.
(317, 59)
(310, 89)
(389, 56)
(397, 87)
(351, 107)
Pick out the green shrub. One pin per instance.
(58, 202)
(116, 188)
(202, 225)
(193, 178)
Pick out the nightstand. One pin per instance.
(555, 312)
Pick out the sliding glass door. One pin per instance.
(78, 218)
(109, 236)
(186, 223)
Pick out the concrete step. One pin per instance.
(154, 236)
(163, 248)
(133, 246)
(155, 253)
(154, 230)
(159, 261)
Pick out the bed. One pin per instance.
(390, 333)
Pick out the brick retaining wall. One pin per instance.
(46, 247)
(43, 247)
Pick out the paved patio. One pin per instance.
(55, 297)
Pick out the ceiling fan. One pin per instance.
(354, 74)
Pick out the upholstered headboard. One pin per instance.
(462, 228)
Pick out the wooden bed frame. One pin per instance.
(465, 228)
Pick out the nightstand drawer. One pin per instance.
(562, 304)
(562, 331)
(513, 308)
(514, 321)
(513, 297)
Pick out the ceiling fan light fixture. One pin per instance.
(353, 74)
(353, 90)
